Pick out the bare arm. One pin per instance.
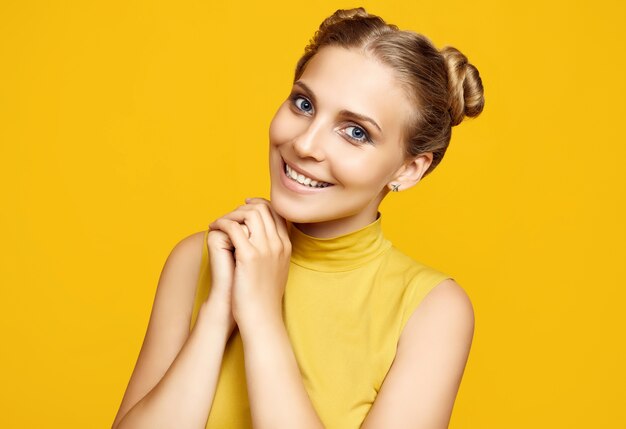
(276, 391)
(420, 389)
(183, 397)
(176, 374)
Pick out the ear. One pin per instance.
(411, 171)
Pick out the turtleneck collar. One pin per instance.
(341, 253)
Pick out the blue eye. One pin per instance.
(302, 103)
(358, 134)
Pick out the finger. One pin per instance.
(215, 228)
(219, 240)
(279, 221)
(252, 219)
(268, 219)
(227, 216)
(235, 233)
(244, 227)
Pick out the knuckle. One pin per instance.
(252, 255)
(214, 237)
(276, 247)
(265, 208)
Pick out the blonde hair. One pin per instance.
(443, 85)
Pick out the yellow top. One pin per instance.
(346, 301)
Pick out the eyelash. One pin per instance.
(366, 139)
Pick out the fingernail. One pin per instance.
(247, 200)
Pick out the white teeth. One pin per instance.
(302, 179)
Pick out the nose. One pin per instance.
(309, 142)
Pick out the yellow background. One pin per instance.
(126, 126)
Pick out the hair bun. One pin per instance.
(343, 14)
(464, 86)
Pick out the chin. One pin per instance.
(297, 213)
(289, 211)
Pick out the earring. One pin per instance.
(395, 187)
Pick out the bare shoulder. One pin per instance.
(446, 307)
(183, 264)
(451, 297)
(189, 247)
(181, 270)
(421, 386)
(168, 327)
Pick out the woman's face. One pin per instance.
(341, 127)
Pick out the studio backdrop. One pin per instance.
(128, 125)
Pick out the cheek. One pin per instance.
(367, 172)
(283, 126)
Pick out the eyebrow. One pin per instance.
(344, 112)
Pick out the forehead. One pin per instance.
(349, 79)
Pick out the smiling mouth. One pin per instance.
(302, 179)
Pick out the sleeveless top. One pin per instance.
(346, 301)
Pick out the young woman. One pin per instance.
(297, 312)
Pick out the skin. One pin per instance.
(309, 132)
(174, 381)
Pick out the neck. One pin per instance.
(341, 252)
(337, 227)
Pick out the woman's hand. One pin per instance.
(222, 272)
(261, 260)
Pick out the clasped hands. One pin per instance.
(249, 252)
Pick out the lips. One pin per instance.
(303, 177)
